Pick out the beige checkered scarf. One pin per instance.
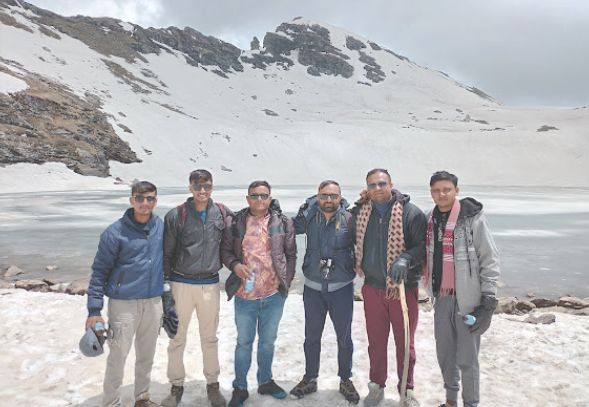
(396, 240)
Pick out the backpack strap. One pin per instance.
(351, 229)
(222, 208)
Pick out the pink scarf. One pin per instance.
(447, 286)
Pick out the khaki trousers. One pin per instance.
(128, 319)
(205, 299)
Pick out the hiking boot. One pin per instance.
(146, 403)
(410, 400)
(215, 396)
(346, 387)
(272, 389)
(238, 397)
(305, 386)
(174, 397)
(375, 395)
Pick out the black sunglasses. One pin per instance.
(141, 198)
(206, 187)
(381, 184)
(256, 196)
(332, 196)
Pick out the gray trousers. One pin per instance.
(129, 320)
(458, 352)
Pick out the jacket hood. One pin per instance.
(401, 197)
(469, 207)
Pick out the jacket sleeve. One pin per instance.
(415, 231)
(290, 248)
(487, 255)
(299, 223)
(104, 263)
(228, 256)
(170, 241)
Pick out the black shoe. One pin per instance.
(238, 397)
(305, 386)
(272, 389)
(215, 396)
(346, 387)
(174, 397)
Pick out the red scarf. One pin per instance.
(447, 287)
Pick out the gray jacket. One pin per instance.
(476, 260)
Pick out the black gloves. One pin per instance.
(399, 270)
(483, 313)
(167, 302)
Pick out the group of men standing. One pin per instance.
(152, 270)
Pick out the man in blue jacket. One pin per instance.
(329, 284)
(128, 268)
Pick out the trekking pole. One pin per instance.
(403, 300)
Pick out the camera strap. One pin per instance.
(338, 222)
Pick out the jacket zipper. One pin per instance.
(150, 265)
(119, 282)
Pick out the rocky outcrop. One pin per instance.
(12, 271)
(544, 319)
(573, 302)
(32, 285)
(78, 287)
(47, 122)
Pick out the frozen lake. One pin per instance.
(542, 234)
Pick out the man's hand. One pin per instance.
(484, 314)
(242, 271)
(363, 197)
(360, 272)
(91, 322)
(168, 302)
(399, 270)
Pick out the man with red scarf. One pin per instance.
(461, 276)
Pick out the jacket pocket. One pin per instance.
(219, 225)
(119, 282)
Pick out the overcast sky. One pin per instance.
(521, 52)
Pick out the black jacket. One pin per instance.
(374, 261)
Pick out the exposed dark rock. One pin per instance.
(48, 122)
(255, 44)
(543, 302)
(51, 281)
(270, 112)
(542, 319)
(78, 287)
(573, 302)
(547, 128)
(12, 271)
(524, 306)
(374, 46)
(354, 44)
(507, 305)
(32, 285)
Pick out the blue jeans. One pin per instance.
(263, 314)
(340, 306)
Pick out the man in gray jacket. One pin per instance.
(192, 260)
(461, 276)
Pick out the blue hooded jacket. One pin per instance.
(128, 264)
(311, 221)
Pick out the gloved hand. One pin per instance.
(167, 302)
(484, 314)
(399, 270)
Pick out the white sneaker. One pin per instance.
(375, 395)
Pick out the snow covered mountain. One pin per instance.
(110, 99)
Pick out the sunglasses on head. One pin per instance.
(141, 198)
(256, 196)
(381, 184)
(206, 187)
(332, 196)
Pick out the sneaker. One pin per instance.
(146, 403)
(375, 395)
(346, 387)
(174, 397)
(410, 400)
(215, 396)
(305, 386)
(238, 397)
(272, 389)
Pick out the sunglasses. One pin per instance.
(381, 184)
(332, 196)
(206, 187)
(256, 196)
(141, 198)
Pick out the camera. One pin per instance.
(326, 267)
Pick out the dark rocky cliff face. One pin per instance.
(46, 122)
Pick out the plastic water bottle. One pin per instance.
(469, 319)
(249, 283)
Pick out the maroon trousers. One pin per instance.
(380, 315)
